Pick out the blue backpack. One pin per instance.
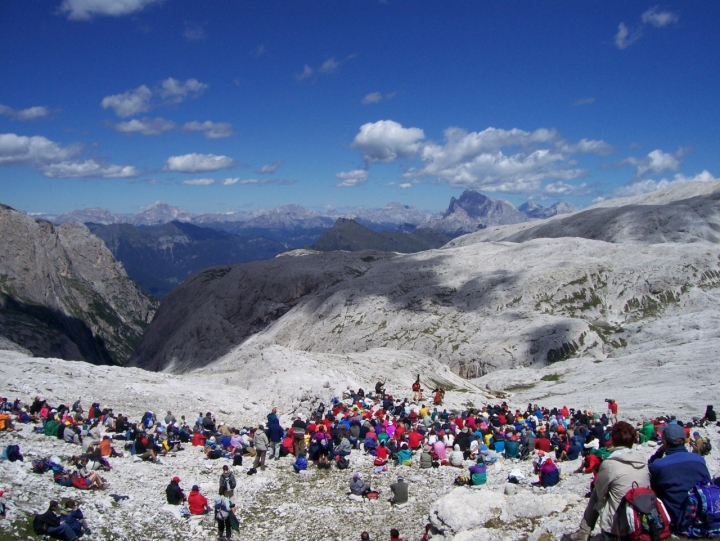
(700, 517)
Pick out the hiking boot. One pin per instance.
(583, 533)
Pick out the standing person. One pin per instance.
(223, 507)
(275, 435)
(299, 426)
(613, 407)
(261, 446)
(228, 482)
(399, 491)
(417, 390)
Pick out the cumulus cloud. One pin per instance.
(230, 181)
(385, 141)
(142, 98)
(199, 182)
(656, 162)
(376, 97)
(31, 113)
(35, 151)
(306, 72)
(88, 169)
(270, 168)
(176, 91)
(353, 178)
(55, 160)
(587, 146)
(405, 185)
(657, 18)
(145, 126)
(198, 163)
(211, 130)
(82, 10)
(626, 36)
(648, 185)
(129, 103)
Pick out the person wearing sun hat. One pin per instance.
(674, 471)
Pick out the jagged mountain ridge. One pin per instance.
(158, 258)
(478, 307)
(352, 236)
(532, 209)
(62, 294)
(473, 211)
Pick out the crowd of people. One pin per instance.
(395, 433)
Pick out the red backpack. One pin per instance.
(642, 516)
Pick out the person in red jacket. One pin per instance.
(542, 443)
(197, 503)
(415, 439)
(613, 407)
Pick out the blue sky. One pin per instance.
(223, 106)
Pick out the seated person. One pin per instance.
(674, 471)
(404, 456)
(478, 473)
(400, 491)
(358, 487)
(197, 503)
(456, 457)
(300, 463)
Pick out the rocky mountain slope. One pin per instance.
(350, 235)
(680, 213)
(535, 210)
(473, 211)
(62, 294)
(159, 258)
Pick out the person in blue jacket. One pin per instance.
(674, 471)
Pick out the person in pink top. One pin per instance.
(439, 448)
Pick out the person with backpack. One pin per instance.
(700, 446)
(674, 471)
(223, 508)
(261, 446)
(228, 482)
(275, 435)
(621, 471)
(322, 439)
(417, 390)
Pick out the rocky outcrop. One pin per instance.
(62, 294)
(536, 211)
(473, 211)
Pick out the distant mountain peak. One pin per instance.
(537, 211)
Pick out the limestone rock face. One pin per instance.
(62, 294)
(473, 211)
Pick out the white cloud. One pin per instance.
(35, 151)
(31, 113)
(129, 103)
(649, 185)
(329, 66)
(88, 169)
(353, 178)
(405, 185)
(230, 181)
(249, 181)
(476, 160)
(586, 146)
(198, 163)
(211, 130)
(584, 101)
(626, 36)
(199, 182)
(658, 19)
(81, 10)
(145, 126)
(655, 162)
(306, 72)
(385, 141)
(176, 91)
(373, 97)
(376, 97)
(265, 182)
(194, 32)
(270, 168)
(561, 188)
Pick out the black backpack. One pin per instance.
(13, 453)
(237, 460)
(343, 463)
(39, 526)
